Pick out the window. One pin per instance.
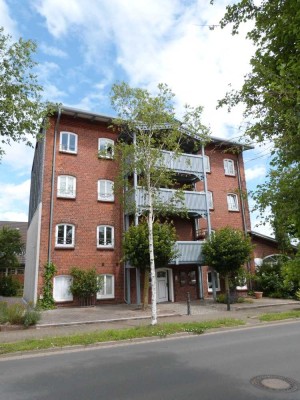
(105, 190)
(105, 236)
(107, 290)
(206, 164)
(61, 288)
(232, 202)
(105, 148)
(66, 186)
(229, 167)
(68, 142)
(209, 282)
(65, 235)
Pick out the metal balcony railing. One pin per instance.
(193, 202)
(184, 163)
(188, 252)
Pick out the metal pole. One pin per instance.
(188, 303)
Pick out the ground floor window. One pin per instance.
(61, 288)
(107, 290)
(209, 281)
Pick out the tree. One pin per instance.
(148, 125)
(21, 108)
(270, 95)
(10, 247)
(291, 273)
(85, 284)
(227, 250)
(136, 248)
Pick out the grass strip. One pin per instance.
(160, 330)
(280, 316)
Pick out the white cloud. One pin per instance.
(257, 172)
(13, 201)
(6, 21)
(18, 157)
(14, 216)
(52, 51)
(159, 41)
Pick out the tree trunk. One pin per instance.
(146, 290)
(227, 291)
(151, 253)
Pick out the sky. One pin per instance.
(83, 47)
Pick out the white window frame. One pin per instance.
(68, 295)
(102, 294)
(67, 149)
(207, 164)
(108, 194)
(229, 167)
(106, 246)
(68, 179)
(106, 143)
(233, 205)
(65, 245)
(209, 282)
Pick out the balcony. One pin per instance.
(183, 164)
(188, 253)
(193, 202)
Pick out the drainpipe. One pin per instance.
(208, 219)
(52, 184)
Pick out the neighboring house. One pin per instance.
(265, 249)
(75, 219)
(17, 272)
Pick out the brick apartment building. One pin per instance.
(76, 220)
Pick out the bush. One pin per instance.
(9, 286)
(269, 279)
(85, 282)
(18, 314)
(222, 298)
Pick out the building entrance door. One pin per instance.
(162, 286)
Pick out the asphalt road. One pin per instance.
(213, 366)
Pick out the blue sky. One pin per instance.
(84, 47)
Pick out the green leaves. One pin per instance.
(85, 282)
(227, 250)
(21, 108)
(271, 99)
(136, 245)
(10, 246)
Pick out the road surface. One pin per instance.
(215, 366)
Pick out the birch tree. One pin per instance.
(148, 126)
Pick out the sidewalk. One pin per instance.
(67, 321)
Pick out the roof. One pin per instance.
(268, 239)
(78, 113)
(264, 237)
(22, 227)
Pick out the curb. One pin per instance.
(100, 321)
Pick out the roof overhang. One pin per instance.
(78, 113)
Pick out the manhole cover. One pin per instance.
(275, 383)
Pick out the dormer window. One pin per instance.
(105, 148)
(68, 142)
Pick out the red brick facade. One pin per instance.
(86, 212)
